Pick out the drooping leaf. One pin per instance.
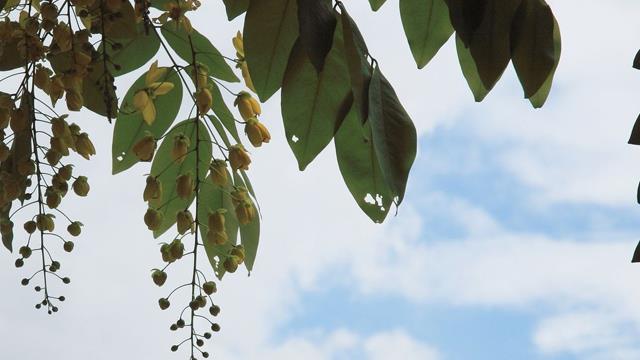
(222, 133)
(161, 4)
(635, 133)
(235, 8)
(205, 52)
(222, 112)
(270, 30)
(466, 17)
(314, 104)
(490, 43)
(540, 97)
(376, 4)
(7, 238)
(470, 71)
(212, 198)
(427, 26)
(10, 57)
(360, 168)
(249, 233)
(122, 26)
(636, 61)
(317, 22)
(133, 52)
(130, 127)
(532, 45)
(636, 254)
(167, 170)
(394, 135)
(356, 52)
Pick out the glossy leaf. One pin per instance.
(314, 104)
(394, 135)
(427, 27)
(249, 233)
(133, 53)
(212, 198)
(205, 52)
(235, 8)
(359, 68)
(130, 127)
(532, 44)
(167, 170)
(317, 22)
(470, 71)
(376, 4)
(540, 97)
(360, 168)
(270, 30)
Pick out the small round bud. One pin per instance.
(66, 280)
(81, 186)
(230, 264)
(25, 252)
(62, 298)
(180, 323)
(159, 277)
(19, 263)
(199, 342)
(209, 287)
(30, 226)
(54, 309)
(173, 327)
(25, 282)
(207, 335)
(68, 246)
(75, 228)
(214, 310)
(38, 306)
(215, 327)
(174, 348)
(37, 288)
(205, 354)
(164, 303)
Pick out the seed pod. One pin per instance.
(30, 226)
(177, 249)
(145, 148)
(184, 186)
(153, 189)
(68, 246)
(214, 310)
(153, 219)
(209, 287)
(164, 305)
(74, 228)
(66, 172)
(25, 252)
(218, 172)
(184, 221)
(165, 250)
(230, 264)
(180, 148)
(159, 277)
(81, 186)
(201, 300)
(53, 199)
(239, 158)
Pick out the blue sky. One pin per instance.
(514, 241)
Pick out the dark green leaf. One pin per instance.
(161, 4)
(7, 239)
(636, 254)
(167, 170)
(470, 71)
(205, 52)
(532, 45)
(376, 4)
(222, 112)
(97, 90)
(359, 69)
(235, 8)
(249, 233)
(270, 30)
(394, 135)
(636, 61)
(540, 97)
(635, 133)
(133, 53)
(130, 127)
(427, 26)
(317, 24)
(220, 130)
(122, 26)
(212, 198)
(313, 105)
(466, 17)
(360, 167)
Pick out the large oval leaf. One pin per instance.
(532, 44)
(427, 27)
(133, 52)
(205, 52)
(360, 168)
(130, 127)
(249, 233)
(540, 97)
(270, 30)
(314, 104)
(167, 170)
(470, 71)
(317, 22)
(235, 8)
(394, 135)
(376, 4)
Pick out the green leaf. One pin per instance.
(636, 61)
(249, 233)
(133, 53)
(205, 52)
(394, 135)
(161, 4)
(313, 105)
(122, 26)
(167, 170)
(466, 17)
(212, 198)
(130, 127)
(634, 139)
(427, 26)
(317, 24)
(222, 112)
(235, 8)
(532, 44)
(7, 239)
(10, 57)
(540, 97)
(359, 69)
(360, 168)
(376, 4)
(470, 71)
(270, 30)
(220, 130)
